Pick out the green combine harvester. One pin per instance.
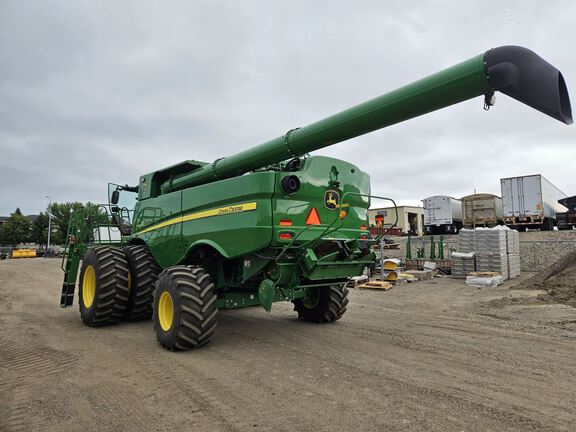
(270, 223)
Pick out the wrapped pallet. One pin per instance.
(513, 250)
(466, 240)
(491, 252)
(495, 250)
(462, 263)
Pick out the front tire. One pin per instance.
(185, 308)
(323, 304)
(143, 274)
(103, 291)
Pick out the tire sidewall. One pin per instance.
(91, 258)
(165, 283)
(318, 313)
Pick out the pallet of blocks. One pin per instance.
(513, 249)
(491, 252)
(462, 263)
(467, 240)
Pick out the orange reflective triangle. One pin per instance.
(313, 218)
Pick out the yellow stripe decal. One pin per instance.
(221, 211)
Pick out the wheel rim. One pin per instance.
(165, 311)
(88, 286)
(312, 298)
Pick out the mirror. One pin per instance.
(115, 197)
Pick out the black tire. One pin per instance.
(193, 297)
(328, 306)
(104, 298)
(143, 274)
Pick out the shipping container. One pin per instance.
(481, 210)
(442, 214)
(530, 202)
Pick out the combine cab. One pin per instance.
(270, 223)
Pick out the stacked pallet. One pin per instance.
(491, 252)
(495, 250)
(462, 264)
(391, 269)
(467, 240)
(513, 249)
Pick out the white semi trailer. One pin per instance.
(530, 202)
(442, 215)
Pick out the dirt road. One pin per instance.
(430, 356)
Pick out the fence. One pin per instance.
(535, 255)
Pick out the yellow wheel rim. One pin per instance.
(312, 298)
(88, 286)
(165, 311)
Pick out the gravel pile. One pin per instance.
(558, 280)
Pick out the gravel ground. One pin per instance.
(427, 356)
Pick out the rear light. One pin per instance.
(363, 227)
(364, 237)
(285, 222)
(285, 236)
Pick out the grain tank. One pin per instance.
(269, 223)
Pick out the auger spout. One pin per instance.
(514, 71)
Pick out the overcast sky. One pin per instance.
(98, 91)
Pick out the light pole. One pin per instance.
(49, 224)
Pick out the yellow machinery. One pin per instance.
(23, 253)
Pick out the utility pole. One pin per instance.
(49, 225)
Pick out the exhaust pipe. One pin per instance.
(525, 76)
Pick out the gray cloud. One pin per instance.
(92, 92)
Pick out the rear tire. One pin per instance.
(143, 274)
(103, 290)
(185, 308)
(327, 304)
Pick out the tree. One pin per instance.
(16, 229)
(60, 219)
(39, 233)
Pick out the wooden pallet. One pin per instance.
(484, 274)
(381, 285)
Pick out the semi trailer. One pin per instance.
(530, 201)
(567, 220)
(442, 215)
(482, 210)
(270, 223)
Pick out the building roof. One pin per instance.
(399, 208)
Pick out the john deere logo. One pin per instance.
(331, 199)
